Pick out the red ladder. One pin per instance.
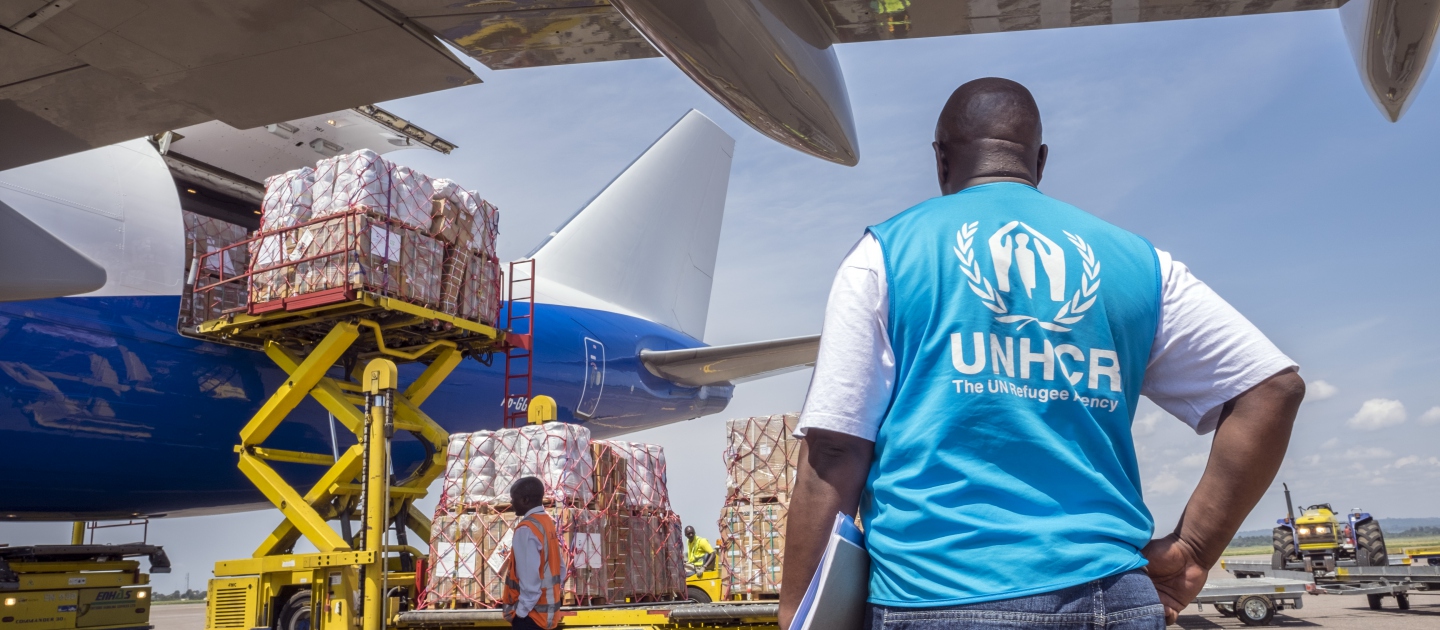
(519, 348)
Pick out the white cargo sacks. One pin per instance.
(484, 464)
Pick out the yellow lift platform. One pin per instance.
(343, 354)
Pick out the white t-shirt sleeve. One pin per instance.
(1205, 352)
(855, 370)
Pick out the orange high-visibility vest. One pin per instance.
(547, 609)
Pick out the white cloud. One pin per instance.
(1431, 416)
(1371, 452)
(1378, 413)
(1414, 460)
(1145, 425)
(1331, 443)
(1165, 484)
(1194, 460)
(1319, 390)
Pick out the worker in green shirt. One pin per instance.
(698, 551)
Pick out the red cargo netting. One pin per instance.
(357, 222)
(761, 455)
(209, 258)
(609, 501)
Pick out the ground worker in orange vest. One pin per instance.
(535, 569)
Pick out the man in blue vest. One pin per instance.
(982, 357)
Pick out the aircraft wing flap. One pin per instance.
(869, 20)
(552, 33)
(736, 363)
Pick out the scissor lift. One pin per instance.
(343, 354)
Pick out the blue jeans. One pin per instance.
(1120, 602)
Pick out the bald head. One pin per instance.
(989, 131)
(526, 493)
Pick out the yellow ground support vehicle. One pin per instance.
(704, 586)
(1320, 538)
(67, 587)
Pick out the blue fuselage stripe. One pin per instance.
(106, 410)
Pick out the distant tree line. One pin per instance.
(1264, 541)
(191, 595)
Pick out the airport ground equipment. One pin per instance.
(354, 580)
(360, 581)
(1318, 539)
(1253, 600)
(72, 587)
(1375, 583)
(703, 585)
(730, 615)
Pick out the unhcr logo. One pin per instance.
(1020, 251)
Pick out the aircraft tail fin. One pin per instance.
(645, 246)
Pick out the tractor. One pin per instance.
(1319, 538)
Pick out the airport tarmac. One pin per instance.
(1342, 612)
(178, 617)
(1321, 611)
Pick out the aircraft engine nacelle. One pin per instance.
(771, 62)
(1393, 42)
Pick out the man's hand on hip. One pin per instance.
(1249, 445)
(1177, 573)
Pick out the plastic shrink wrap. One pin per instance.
(359, 222)
(609, 501)
(761, 456)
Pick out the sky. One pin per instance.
(1246, 147)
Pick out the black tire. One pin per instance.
(1375, 601)
(1283, 541)
(295, 614)
(1402, 601)
(1225, 610)
(1370, 545)
(698, 595)
(1254, 610)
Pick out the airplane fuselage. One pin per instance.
(106, 411)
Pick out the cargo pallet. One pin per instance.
(737, 616)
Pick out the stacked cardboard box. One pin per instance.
(357, 221)
(761, 455)
(645, 558)
(752, 537)
(467, 556)
(205, 235)
(608, 499)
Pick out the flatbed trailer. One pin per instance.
(1253, 600)
(655, 616)
(1375, 583)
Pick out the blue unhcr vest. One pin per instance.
(1005, 466)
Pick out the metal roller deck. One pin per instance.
(656, 616)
